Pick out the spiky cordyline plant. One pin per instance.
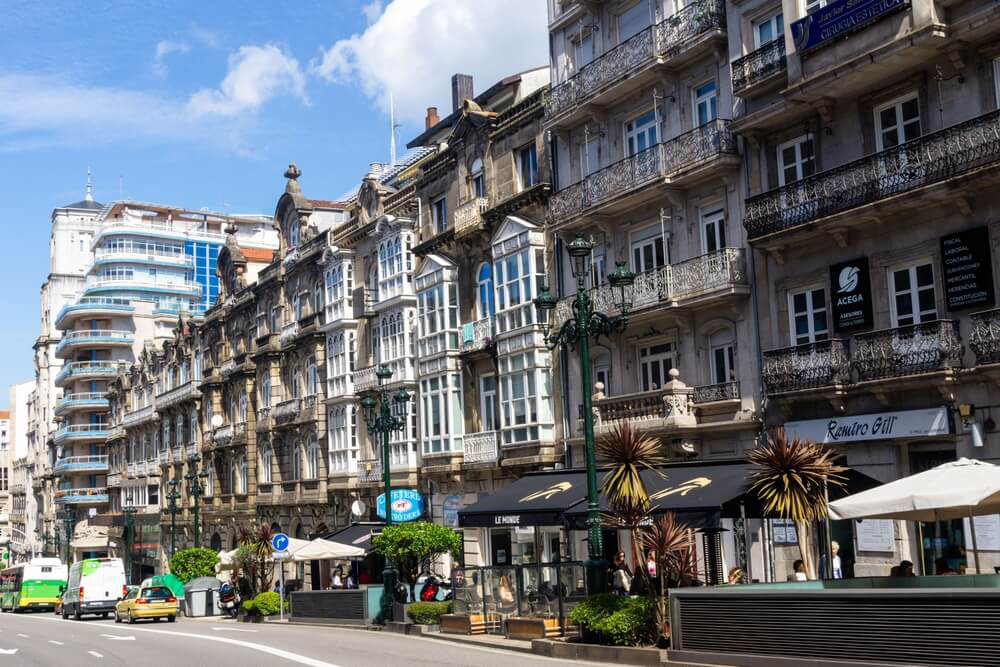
(629, 452)
(671, 544)
(258, 539)
(791, 480)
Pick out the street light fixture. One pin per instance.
(196, 489)
(172, 497)
(129, 515)
(577, 331)
(380, 420)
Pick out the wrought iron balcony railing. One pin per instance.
(917, 348)
(666, 39)
(481, 447)
(807, 366)
(662, 160)
(984, 339)
(288, 333)
(364, 379)
(926, 160)
(689, 279)
(758, 65)
(370, 471)
(477, 335)
(721, 391)
(469, 216)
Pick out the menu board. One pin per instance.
(875, 535)
(783, 531)
(987, 533)
(967, 269)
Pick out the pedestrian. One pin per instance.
(338, 581)
(798, 571)
(621, 575)
(735, 576)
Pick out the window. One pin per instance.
(598, 266)
(265, 388)
(807, 310)
(633, 20)
(519, 398)
(312, 460)
(583, 50)
(391, 273)
(723, 364)
(477, 178)
(484, 302)
(706, 103)
(590, 157)
(266, 464)
(295, 452)
(438, 309)
(312, 377)
(439, 214)
(241, 412)
(241, 488)
(769, 29)
(3, 479)
(913, 299)
(655, 362)
(488, 403)
(796, 160)
(317, 304)
(527, 167)
(713, 229)
(441, 396)
(813, 5)
(297, 306)
(293, 233)
(600, 371)
(648, 252)
(517, 277)
(897, 122)
(640, 133)
(343, 444)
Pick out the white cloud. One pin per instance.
(163, 49)
(204, 36)
(256, 74)
(372, 11)
(414, 47)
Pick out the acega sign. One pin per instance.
(906, 424)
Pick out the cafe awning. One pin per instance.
(356, 535)
(537, 499)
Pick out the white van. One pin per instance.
(94, 587)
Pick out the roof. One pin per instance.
(326, 203)
(88, 204)
(4, 414)
(257, 254)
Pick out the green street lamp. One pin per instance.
(129, 514)
(46, 538)
(381, 421)
(68, 517)
(196, 489)
(577, 331)
(172, 497)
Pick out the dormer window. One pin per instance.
(478, 178)
(293, 232)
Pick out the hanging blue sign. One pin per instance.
(407, 505)
(838, 19)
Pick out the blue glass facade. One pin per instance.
(205, 254)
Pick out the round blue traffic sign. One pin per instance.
(279, 542)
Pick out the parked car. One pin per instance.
(95, 586)
(153, 602)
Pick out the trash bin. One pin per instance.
(201, 596)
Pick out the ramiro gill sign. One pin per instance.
(876, 426)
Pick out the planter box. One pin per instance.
(576, 650)
(411, 628)
(528, 627)
(468, 624)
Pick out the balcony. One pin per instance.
(142, 254)
(227, 367)
(675, 285)
(81, 401)
(666, 41)
(114, 479)
(469, 216)
(286, 411)
(984, 339)
(364, 379)
(82, 432)
(138, 416)
(753, 70)
(715, 393)
(927, 347)
(370, 471)
(477, 335)
(959, 150)
(264, 419)
(93, 306)
(224, 435)
(481, 447)
(310, 409)
(84, 370)
(186, 391)
(74, 340)
(90, 495)
(364, 301)
(288, 333)
(185, 287)
(97, 464)
(191, 450)
(806, 367)
(671, 161)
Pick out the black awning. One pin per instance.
(696, 492)
(356, 535)
(537, 499)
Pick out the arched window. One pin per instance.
(241, 415)
(266, 463)
(234, 478)
(312, 378)
(296, 454)
(242, 488)
(478, 178)
(265, 388)
(179, 431)
(317, 305)
(297, 306)
(293, 232)
(484, 302)
(312, 459)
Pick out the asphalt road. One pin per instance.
(43, 639)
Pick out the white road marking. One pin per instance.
(25, 636)
(53, 641)
(95, 654)
(234, 629)
(8, 651)
(120, 637)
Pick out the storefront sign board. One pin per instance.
(905, 424)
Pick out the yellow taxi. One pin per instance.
(154, 602)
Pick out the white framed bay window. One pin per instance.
(339, 363)
(339, 279)
(518, 277)
(441, 413)
(525, 398)
(342, 428)
(437, 309)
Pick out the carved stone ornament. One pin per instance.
(370, 205)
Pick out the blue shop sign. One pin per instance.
(407, 505)
(839, 19)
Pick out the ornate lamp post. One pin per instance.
(129, 515)
(172, 497)
(381, 421)
(577, 331)
(68, 517)
(46, 538)
(196, 489)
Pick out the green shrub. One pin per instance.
(617, 620)
(188, 564)
(428, 613)
(265, 604)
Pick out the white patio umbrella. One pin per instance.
(320, 549)
(955, 490)
(226, 557)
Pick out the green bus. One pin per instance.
(36, 584)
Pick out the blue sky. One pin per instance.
(203, 104)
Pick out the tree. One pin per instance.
(257, 562)
(412, 546)
(791, 480)
(188, 564)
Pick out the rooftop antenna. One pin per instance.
(89, 196)
(121, 187)
(392, 132)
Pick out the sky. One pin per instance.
(204, 104)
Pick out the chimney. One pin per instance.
(432, 118)
(375, 168)
(461, 90)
